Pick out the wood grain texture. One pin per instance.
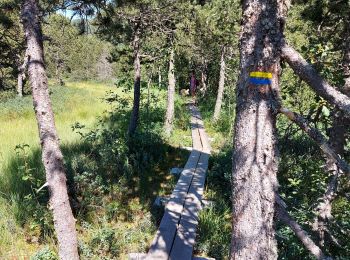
(177, 231)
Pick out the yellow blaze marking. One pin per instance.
(260, 74)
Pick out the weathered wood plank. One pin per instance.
(186, 232)
(203, 135)
(137, 256)
(205, 141)
(195, 125)
(163, 241)
(177, 231)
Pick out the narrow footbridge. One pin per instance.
(176, 234)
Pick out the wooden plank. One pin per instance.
(196, 141)
(176, 234)
(186, 232)
(163, 241)
(205, 140)
(202, 258)
(197, 120)
(137, 256)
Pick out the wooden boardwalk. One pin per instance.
(176, 234)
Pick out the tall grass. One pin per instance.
(72, 103)
(112, 179)
(76, 102)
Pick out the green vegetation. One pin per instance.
(113, 181)
(114, 178)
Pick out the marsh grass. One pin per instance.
(112, 179)
(21, 169)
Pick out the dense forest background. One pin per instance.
(113, 178)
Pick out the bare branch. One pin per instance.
(284, 216)
(307, 73)
(318, 137)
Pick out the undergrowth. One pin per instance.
(112, 180)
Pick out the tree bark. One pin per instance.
(346, 59)
(20, 80)
(22, 75)
(159, 78)
(204, 76)
(255, 154)
(307, 73)
(52, 157)
(169, 117)
(137, 83)
(58, 68)
(220, 95)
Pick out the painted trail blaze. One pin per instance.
(260, 78)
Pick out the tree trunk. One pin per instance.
(52, 157)
(204, 77)
(137, 84)
(159, 78)
(22, 75)
(346, 59)
(58, 69)
(20, 84)
(169, 117)
(220, 95)
(255, 156)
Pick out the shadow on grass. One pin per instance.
(214, 228)
(111, 177)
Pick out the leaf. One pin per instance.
(325, 111)
(25, 177)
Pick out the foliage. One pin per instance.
(72, 55)
(112, 178)
(11, 44)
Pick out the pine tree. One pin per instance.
(52, 157)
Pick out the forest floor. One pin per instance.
(115, 179)
(75, 102)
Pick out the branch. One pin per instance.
(318, 137)
(308, 73)
(284, 216)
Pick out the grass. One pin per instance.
(75, 102)
(113, 180)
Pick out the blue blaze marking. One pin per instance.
(260, 81)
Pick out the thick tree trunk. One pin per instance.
(169, 117)
(255, 156)
(137, 84)
(204, 82)
(220, 95)
(307, 73)
(52, 157)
